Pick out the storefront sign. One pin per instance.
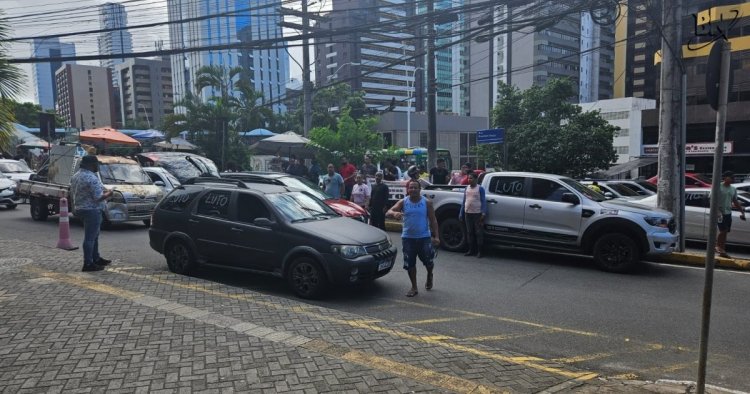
(697, 149)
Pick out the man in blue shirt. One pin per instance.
(88, 195)
(333, 183)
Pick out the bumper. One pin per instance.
(364, 268)
(118, 212)
(662, 242)
(9, 198)
(156, 239)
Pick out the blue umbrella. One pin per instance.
(146, 134)
(258, 133)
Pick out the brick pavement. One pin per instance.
(135, 329)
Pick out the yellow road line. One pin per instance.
(503, 337)
(438, 320)
(597, 356)
(531, 362)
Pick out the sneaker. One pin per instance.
(102, 262)
(92, 267)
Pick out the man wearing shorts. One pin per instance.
(419, 235)
(727, 199)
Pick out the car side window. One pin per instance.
(698, 200)
(178, 201)
(154, 177)
(215, 203)
(545, 189)
(508, 186)
(250, 207)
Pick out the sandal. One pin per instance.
(428, 284)
(412, 293)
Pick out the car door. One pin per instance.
(506, 200)
(696, 215)
(211, 228)
(256, 246)
(547, 217)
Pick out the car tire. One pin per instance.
(147, 222)
(307, 278)
(452, 234)
(616, 252)
(180, 257)
(38, 209)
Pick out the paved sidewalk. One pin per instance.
(136, 329)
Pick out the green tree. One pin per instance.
(327, 105)
(546, 133)
(352, 138)
(11, 82)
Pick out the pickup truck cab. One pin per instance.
(552, 212)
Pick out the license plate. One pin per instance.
(384, 265)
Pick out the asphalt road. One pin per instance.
(644, 325)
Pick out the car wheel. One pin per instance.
(180, 258)
(147, 222)
(38, 209)
(307, 278)
(616, 252)
(452, 235)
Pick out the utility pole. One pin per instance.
(431, 88)
(671, 174)
(306, 88)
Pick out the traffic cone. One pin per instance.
(63, 241)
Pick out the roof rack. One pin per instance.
(206, 179)
(253, 178)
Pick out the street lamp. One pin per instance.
(408, 109)
(336, 73)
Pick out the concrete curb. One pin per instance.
(691, 259)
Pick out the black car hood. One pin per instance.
(343, 231)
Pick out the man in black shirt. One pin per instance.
(378, 202)
(440, 175)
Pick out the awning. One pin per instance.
(629, 166)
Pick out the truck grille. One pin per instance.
(138, 200)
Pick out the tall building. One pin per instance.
(84, 96)
(114, 16)
(347, 57)
(595, 74)
(145, 90)
(43, 74)
(451, 71)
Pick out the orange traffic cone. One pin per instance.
(64, 239)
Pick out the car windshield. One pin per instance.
(300, 206)
(622, 190)
(14, 167)
(186, 166)
(702, 178)
(648, 185)
(302, 184)
(590, 194)
(122, 173)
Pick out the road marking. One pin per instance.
(437, 320)
(718, 269)
(531, 362)
(597, 356)
(422, 375)
(503, 337)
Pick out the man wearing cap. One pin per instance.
(88, 195)
(727, 199)
(378, 201)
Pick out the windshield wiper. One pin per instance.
(304, 219)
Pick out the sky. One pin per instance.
(36, 17)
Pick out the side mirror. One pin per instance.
(570, 198)
(160, 183)
(262, 222)
(609, 195)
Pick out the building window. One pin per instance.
(622, 133)
(615, 115)
(622, 150)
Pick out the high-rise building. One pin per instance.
(116, 42)
(43, 74)
(145, 90)
(84, 96)
(385, 55)
(268, 69)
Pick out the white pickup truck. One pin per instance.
(134, 199)
(556, 213)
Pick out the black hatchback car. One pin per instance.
(267, 229)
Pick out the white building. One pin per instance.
(43, 74)
(114, 16)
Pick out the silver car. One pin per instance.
(613, 190)
(697, 206)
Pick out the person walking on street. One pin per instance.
(333, 183)
(314, 173)
(727, 199)
(348, 172)
(361, 192)
(419, 235)
(89, 195)
(473, 210)
(378, 201)
(440, 175)
(367, 168)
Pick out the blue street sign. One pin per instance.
(491, 136)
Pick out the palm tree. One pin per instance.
(11, 82)
(251, 114)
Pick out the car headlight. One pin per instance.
(657, 221)
(349, 251)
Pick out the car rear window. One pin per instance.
(178, 200)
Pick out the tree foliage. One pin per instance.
(11, 82)
(327, 104)
(546, 133)
(352, 138)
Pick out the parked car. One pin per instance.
(742, 186)
(180, 164)
(8, 196)
(339, 205)
(270, 229)
(16, 170)
(556, 213)
(697, 206)
(162, 178)
(691, 180)
(612, 190)
(636, 186)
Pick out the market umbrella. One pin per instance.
(290, 143)
(106, 136)
(148, 134)
(176, 144)
(258, 133)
